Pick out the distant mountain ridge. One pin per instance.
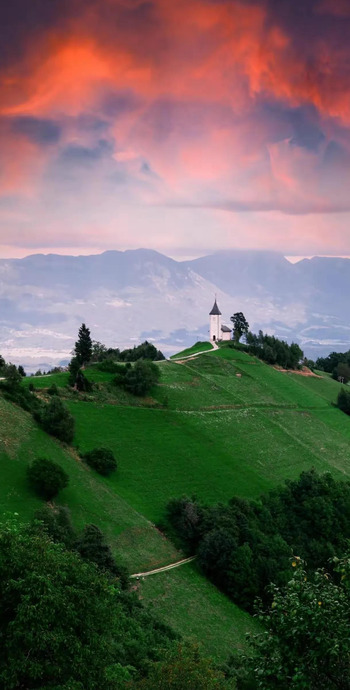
(137, 294)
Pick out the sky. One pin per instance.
(186, 126)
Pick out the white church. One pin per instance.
(216, 329)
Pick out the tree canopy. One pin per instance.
(240, 325)
(306, 643)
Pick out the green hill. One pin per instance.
(217, 425)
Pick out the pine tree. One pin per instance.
(83, 346)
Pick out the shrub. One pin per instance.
(57, 523)
(93, 547)
(101, 459)
(53, 390)
(47, 478)
(56, 420)
(140, 378)
(343, 401)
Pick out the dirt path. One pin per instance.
(163, 569)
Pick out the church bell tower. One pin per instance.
(215, 322)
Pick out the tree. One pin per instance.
(101, 459)
(343, 401)
(57, 523)
(184, 667)
(341, 372)
(56, 420)
(83, 346)
(140, 378)
(61, 624)
(47, 478)
(92, 546)
(306, 643)
(12, 376)
(240, 325)
(21, 371)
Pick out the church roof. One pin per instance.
(215, 310)
(226, 329)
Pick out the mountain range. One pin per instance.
(126, 297)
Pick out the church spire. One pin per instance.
(215, 310)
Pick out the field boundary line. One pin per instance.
(164, 568)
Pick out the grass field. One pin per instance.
(217, 425)
(197, 347)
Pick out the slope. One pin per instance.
(135, 541)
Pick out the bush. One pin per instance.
(343, 401)
(56, 420)
(101, 459)
(92, 547)
(57, 524)
(140, 378)
(46, 478)
(53, 390)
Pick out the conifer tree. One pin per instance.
(83, 346)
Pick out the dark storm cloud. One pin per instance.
(23, 20)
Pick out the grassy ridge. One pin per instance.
(223, 423)
(198, 347)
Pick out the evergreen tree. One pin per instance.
(83, 346)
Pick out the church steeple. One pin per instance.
(215, 310)
(215, 322)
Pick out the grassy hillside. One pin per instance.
(197, 347)
(133, 538)
(220, 424)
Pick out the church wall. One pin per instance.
(215, 327)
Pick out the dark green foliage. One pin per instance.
(91, 546)
(77, 379)
(306, 643)
(53, 390)
(183, 667)
(46, 478)
(21, 371)
(56, 420)
(244, 546)
(13, 390)
(101, 459)
(331, 362)
(99, 351)
(240, 325)
(341, 372)
(343, 401)
(144, 351)
(31, 387)
(83, 346)
(2, 362)
(273, 351)
(12, 376)
(140, 378)
(57, 523)
(64, 624)
(110, 366)
(185, 516)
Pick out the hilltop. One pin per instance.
(218, 424)
(43, 298)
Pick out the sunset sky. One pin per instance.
(187, 126)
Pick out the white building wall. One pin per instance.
(215, 327)
(225, 335)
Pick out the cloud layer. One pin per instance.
(186, 126)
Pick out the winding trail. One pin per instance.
(164, 568)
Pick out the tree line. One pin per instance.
(245, 545)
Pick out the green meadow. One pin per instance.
(220, 424)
